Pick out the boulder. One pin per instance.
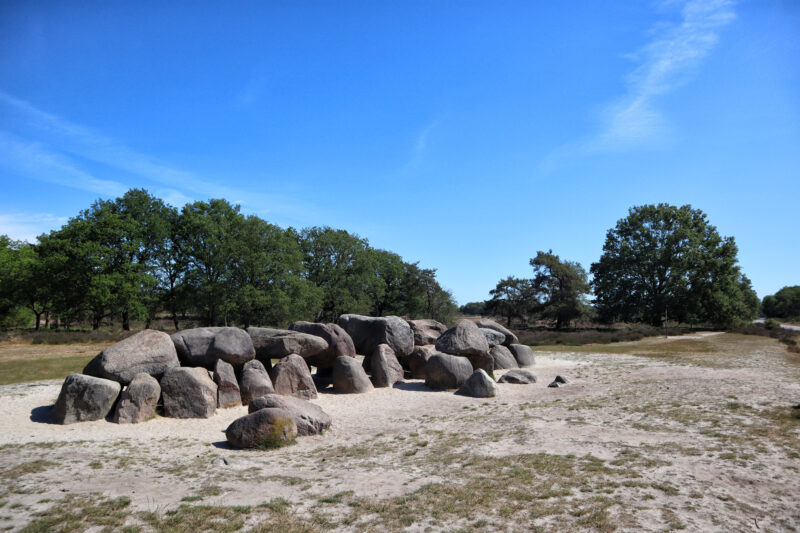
(188, 393)
(418, 359)
(386, 369)
(278, 343)
(339, 342)
(255, 381)
(228, 393)
(266, 427)
(445, 371)
(204, 346)
(491, 324)
(349, 376)
(368, 332)
(148, 351)
(309, 417)
(493, 337)
(518, 376)
(138, 401)
(560, 379)
(479, 385)
(466, 339)
(523, 354)
(503, 358)
(292, 377)
(84, 398)
(426, 331)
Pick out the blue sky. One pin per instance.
(464, 135)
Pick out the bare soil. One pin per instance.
(694, 433)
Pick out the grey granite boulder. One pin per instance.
(255, 381)
(148, 351)
(491, 324)
(339, 342)
(445, 371)
(228, 393)
(466, 339)
(493, 337)
(84, 398)
(523, 354)
(268, 427)
(518, 376)
(278, 343)
(426, 331)
(138, 401)
(386, 369)
(368, 332)
(188, 393)
(418, 359)
(479, 385)
(204, 346)
(309, 417)
(292, 377)
(349, 376)
(503, 358)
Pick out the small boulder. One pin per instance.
(228, 393)
(339, 342)
(466, 339)
(292, 377)
(188, 393)
(445, 371)
(138, 401)
(523, 354)
(203, 346)
(518, 376)
(386, 369)
(309, 417)
(493, 337)
(418, 359)
(560, 380)
(503, 358)
(84, 398)
(349, 376)
(368, 332)
(265, 427)
(554, 385)
(426, 331)
(148, 351)
(479, 385)
(255, 381)
(278, 343)
(491, 324)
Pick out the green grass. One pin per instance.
(38, 369)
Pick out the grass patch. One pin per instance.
(39, 369)
(80, 513)
(30, 467)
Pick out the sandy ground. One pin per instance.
(715, 449)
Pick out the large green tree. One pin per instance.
(783, 304)
(559, 289)
(662, 260)
(511, 298)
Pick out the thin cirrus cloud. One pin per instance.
(664, 64)
(27, 226)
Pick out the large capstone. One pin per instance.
(266, 427)
(138, 401)
(188, 393)
(479, 385)
(292, 377)
(426, 331)
(349, 376)
(445, 371)
(255, 381)
(228, 393)
(148, 351)
(339, 342)
(309, 417)
(84, 398)
(385, 368)
(523, 354)
(278, 343)
(368, 332)
(493, 337)
(466, 339)
(491, 324)
(204, 346)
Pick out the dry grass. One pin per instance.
(23, 363)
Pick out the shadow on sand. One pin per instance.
(414, 386)
(41, 414)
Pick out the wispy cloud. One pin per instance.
(421, 143)
(28, 226)
(664, 64)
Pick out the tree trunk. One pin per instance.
(47, 320)
(175, 319)
(96, 321)
(38, 319)
(126, 320)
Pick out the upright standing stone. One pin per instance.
(84, 398)
(386, 369)
(467, 340)
(292, 377)
(138, 401)
(479, 385)
(188, 393)
(523, 354)
(255, 381)
(228, 393)
(503, 358)
(445, 371)
(349, 376)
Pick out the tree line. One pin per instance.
(137, 258)
(659, 263)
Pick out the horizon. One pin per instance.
(466, 139)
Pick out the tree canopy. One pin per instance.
(559, 289)
(783, 304)
(663, 260)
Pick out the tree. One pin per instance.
(783, 304)
(559, 288)
(511, 298)
(663, 260)
(473, 308)
(24, 281)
